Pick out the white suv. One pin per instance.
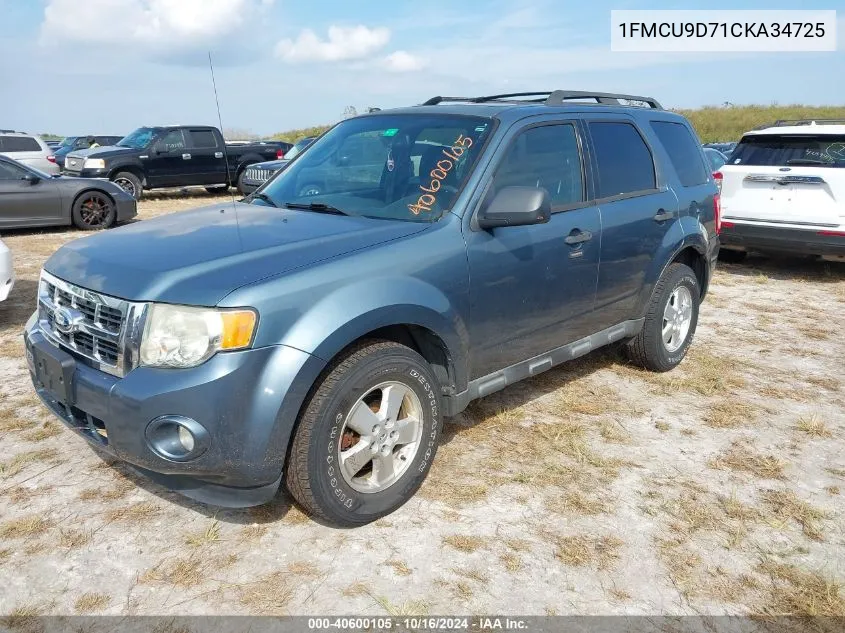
(783, 190)
(29, 150)
(7, 273)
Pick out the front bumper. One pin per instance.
(246, 401)
(7, 273)
(125, 205)
(248, 186)
(743, 236)
(86, 173)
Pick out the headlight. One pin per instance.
(180, 336)
(94, 163)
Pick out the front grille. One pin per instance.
(257, 175)
(95, 327)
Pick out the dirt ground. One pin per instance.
(714, 489)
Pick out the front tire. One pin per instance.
(93, 210)
(129, 182)
(367, 435)
(670, 321)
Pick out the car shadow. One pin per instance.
(20, 304)
(786, 268)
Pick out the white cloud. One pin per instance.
(344, 43)
(154, 24)
(403, 62)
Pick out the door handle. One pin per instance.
(186, 157)
(218, 154)
(662, 215)
(578, 237)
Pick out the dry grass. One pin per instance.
(518, 544)
(22, 460)
(614, 432)
(815, 333)
(45, 431)
(135, 513)
(833, 491)
(707, 373)
(681, 565)
(466, 544)
(91, 602)
(70, 538)
(795, 592)
(511, 562)
(576, 502)
(252, 533)
(400, 567)
(209, 535)
(269, 595)
(729, 414)
(303, 569)
(814, 427)
(740, 458)
(786, 506)
(472, 574)
(583, 550)
(180, 572)
(824, 382)
(24, 527)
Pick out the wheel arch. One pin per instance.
(136, 170)
(691, 251)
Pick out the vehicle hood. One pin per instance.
(271, 164)
(107, 151)
(198, 257)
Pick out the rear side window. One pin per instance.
(19, 144)
(815, 150)
(202, 138)
(683, 152)
(624, 160)
(544, 157)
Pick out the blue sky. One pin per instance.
(107, 66)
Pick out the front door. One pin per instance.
(169, 162)
(533, 287)
(24, 202)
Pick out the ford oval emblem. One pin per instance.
(786, 169)
(66, 320)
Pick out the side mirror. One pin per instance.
(31, 179)
(517, 206)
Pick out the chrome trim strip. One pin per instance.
(785, 180)
(748, 220)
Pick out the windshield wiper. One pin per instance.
(262, 196)
(315, 206)
(807, 161)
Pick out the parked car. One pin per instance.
(715, 158)
(7, 272)
(73, 143)
(29, 150)
(54, 145)
(257, 174)
(29, 197)
(321, 337)
(783, 190)
(725, 147)
(170, 156)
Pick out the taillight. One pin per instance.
(717, 212)
(717, 176)
(833, 233)
(51, 158)
(280, 153)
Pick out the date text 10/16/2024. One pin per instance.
(429, 194)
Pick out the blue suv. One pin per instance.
(409, 262)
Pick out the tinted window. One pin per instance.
(683, 152)
(202, 138)
(544, 157)
(822, 150)
(9, 171)
(172, 141)
(624, 160)
(715, 158)
(19, 144)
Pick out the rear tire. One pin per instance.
(731, 256)
(129, 182)
(93, 210)
(670, 321)
(367, 435)
(218, 191)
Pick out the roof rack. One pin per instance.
(799, 122)
(551, 98)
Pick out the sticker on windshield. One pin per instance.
(429, 194)
(391, 164)
(390, 132)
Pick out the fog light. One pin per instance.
(177, 438)
(186, 439)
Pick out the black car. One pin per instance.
(29, 197)
(171, 156)
(72, 143)
(257, 174)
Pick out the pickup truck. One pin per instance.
(171, 156)
(409, 262)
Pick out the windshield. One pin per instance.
(298, 147)
(400, 167)
(68, 141)
(817, 150)
(139, 139)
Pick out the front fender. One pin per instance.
(353, 311)
(135, 166)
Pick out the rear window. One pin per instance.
(683, 151)
(818, 150)
(624, 160)
(19, 144)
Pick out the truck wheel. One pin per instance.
(129, 182)
(218, 191)
(367, 436)
(730, 256)
(670, 321)
(93, 210)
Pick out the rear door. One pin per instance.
(207, 162)
(637, 210)
(786, 179)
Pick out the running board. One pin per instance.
(498, 380)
